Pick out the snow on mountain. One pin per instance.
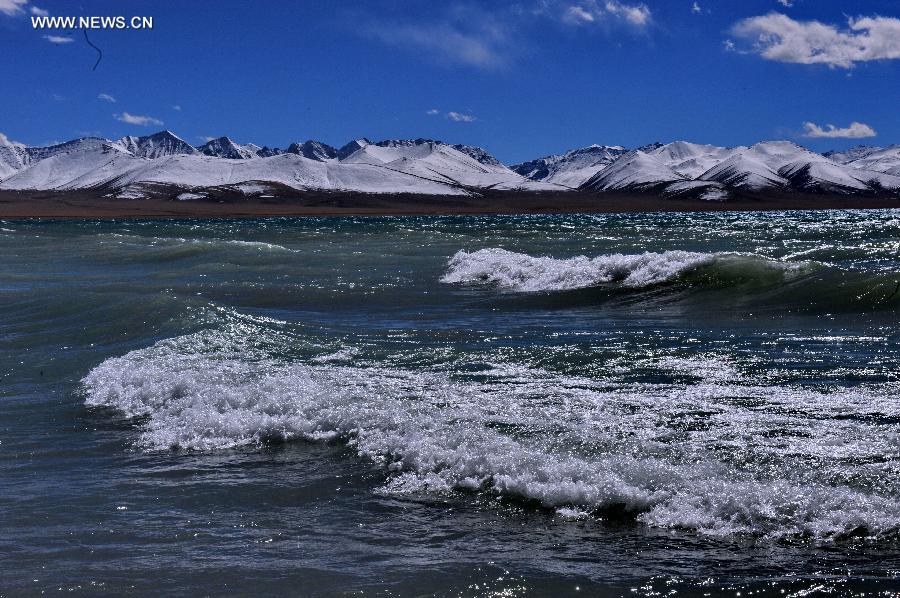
(223, 147)
(573, 168)
(286, 169)
(821, 175)
(13, 156)
(267, 152)
(691, 159)
(777, 154)
(757, 167)
(854, 153)
(635, 171)
(79, 164)
(112, 167)
(885, 160)
(314, 150)
(876, 180)
(388, 167)
(136, 166)
(808, 171)
(164, 143)
(352, 147)
(437, 161)
(744, 171)
(477, 153)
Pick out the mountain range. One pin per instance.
(163, 164)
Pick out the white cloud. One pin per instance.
(107, 98)
(492, 38)
(854, 131)
(782, 39)
(786, 3)
(577, 14)
(12, 7)
(207, 138)
(637, 14)
(595, 11)
(176, 107)
(478, 40)
(459, 117)
(696, 8)
(729, 45)
(133, 119)
(58, 39)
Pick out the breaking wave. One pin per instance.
(721, 456)
(522, 272)
(744, 278)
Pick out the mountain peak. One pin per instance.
(572, 168)
(650, 147)
(224, 147)
(314, 150)
(13, 156)
(637, 170)
(478, 154)
(156, 145)
(854, 153)
(352, 147)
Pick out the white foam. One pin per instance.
(700, 456)
(522, 272)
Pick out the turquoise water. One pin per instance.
(622, 404)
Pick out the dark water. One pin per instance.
(616, 405)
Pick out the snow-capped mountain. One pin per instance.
(267, 152)
(163, 163)
(223, 147)
(437, 161)
(886, 160)
(352, 147)
(573, 168)
(478, 154)
(314, 150)
(13, 156)
(690, 159)
(854, 153)
(78, 164)
(786, 165)
(164, 143)
(133, 166)
(637, 171)
(742, 170)
(682, 168)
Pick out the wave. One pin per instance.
(743, 278)
(703, 456)
(522, 272)
(151, 248)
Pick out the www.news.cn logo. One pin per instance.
(46, 22)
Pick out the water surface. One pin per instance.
(631, 404)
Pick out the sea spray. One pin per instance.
(522, 272)
(663, 452)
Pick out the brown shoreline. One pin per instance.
(81, 205)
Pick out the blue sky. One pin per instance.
(523, 79)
